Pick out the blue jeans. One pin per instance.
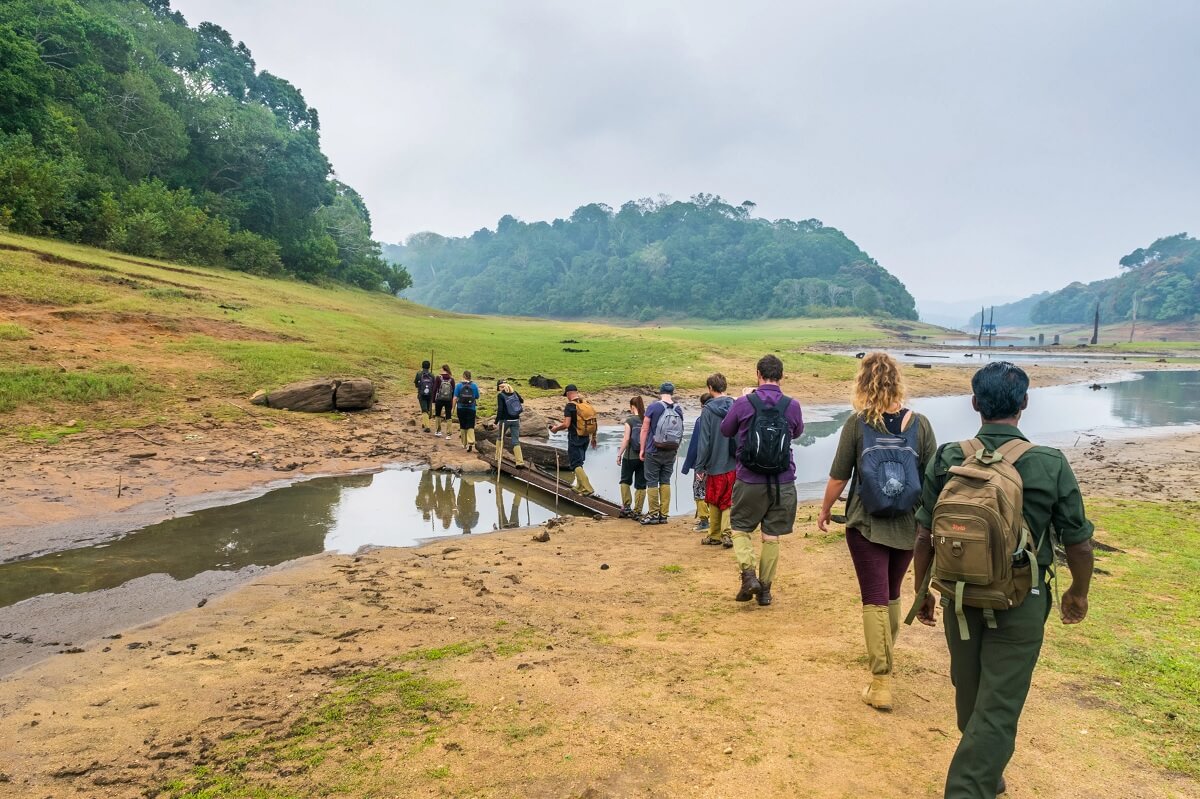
(511, 427)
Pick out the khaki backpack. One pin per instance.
(586, 421)
(983, 552)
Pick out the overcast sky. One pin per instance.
(973, 148)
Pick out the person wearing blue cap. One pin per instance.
(662, 433)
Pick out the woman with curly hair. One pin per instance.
(882, 455)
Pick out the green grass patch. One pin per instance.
(42, 387)
(1137, 649)
(51, 435)
(671, 568)
(13, 332)
(324, 331)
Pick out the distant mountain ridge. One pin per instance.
(702, 258)
(1162, 280)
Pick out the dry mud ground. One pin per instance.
(545, 674)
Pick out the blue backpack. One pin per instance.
(512, 405)
(889, 472)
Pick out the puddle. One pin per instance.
(343, 514)
(405, 507)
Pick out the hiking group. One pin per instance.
(439, 396)
(977, 519)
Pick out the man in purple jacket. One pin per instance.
(764, 494)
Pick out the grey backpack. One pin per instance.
(889, 471)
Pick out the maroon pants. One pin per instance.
(880, 569)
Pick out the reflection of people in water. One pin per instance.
(443, 498)
(511, 519)
(468, 514)
(425, 498)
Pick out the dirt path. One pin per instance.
(538, 672)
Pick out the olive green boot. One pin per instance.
(878, 635)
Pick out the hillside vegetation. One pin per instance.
(122, 126)
(1162, 280)
(651, 259)
(98, 337)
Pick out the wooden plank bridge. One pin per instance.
(546, 480)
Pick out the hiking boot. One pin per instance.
(701, 526)
(727, 540)
(654, 518)
(879, 693)
(764, 595)
(626, 513)
(708, 540)
(1002, 786)
(750, 586)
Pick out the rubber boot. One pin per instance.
(878, 635)
(639, 500)
(462, 436)
(585, 485)
(714, 525)
(750, 586)
(652, 500)
(627, 499)
(518, 457)
(768, 562)
(471, 440)
(894, 619)
(664, 500)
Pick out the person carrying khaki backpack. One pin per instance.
(989, 508)
(582, 424)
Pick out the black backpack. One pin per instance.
(467, 396)
(768, 446)
(425, 382)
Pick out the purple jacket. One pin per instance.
(737, 421)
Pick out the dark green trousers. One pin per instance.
(991, 673)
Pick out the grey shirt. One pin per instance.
(713, 454)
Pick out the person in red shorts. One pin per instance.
(716, 462)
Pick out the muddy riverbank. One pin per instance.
(598, 663)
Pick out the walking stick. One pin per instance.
(557, 469)
(499, 454)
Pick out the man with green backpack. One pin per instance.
(989, 508)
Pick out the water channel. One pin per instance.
(402, 507)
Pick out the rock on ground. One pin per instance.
(355, 394)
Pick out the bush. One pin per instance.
(249, 252)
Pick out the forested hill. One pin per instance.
(1163, 278)
(122, 126)
(651, 259)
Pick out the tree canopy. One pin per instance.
(650, 259)
(1164, 278)
(122, 126)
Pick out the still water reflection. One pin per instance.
(404, 507)
(390, 508)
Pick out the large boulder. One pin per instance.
(310, 396)
(355, 394)
(320, 396)
(538, 381)
(533, 425)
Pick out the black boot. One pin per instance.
(1001, 787)
(750, 586)
(764, 595)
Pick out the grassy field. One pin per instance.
(1139, 645)
(134, 339)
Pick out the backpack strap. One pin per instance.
(1013, 449)
(970, 448)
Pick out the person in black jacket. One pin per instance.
(507, 423)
